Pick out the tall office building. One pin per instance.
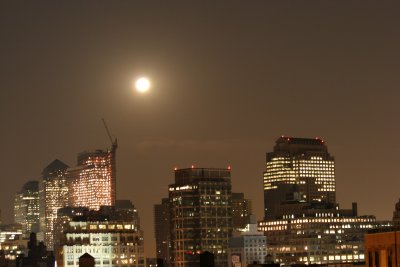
(241, 211)
(303, 223)
(93, 181)
(298, 169)
(162, 231)
(53, 194)
(201, 215)
(26, 208)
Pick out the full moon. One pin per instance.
(142, 85)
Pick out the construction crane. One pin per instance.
(114, 144)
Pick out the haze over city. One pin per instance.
(227, 80)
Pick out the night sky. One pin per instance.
(228, 79)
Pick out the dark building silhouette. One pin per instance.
(37, 255)
(272, 265)
(207, 259)
(162, 231)
(160, 263)
(396, 216)
(86, 260)
(241, 211)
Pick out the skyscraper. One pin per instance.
(201, 215)
(298, 169)
(53, 194)
(93, 181)
(26, 208)
(241, 211)
(162, 231)
(303, 223)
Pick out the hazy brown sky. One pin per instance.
(229, 78)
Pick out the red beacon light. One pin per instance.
(229, 167)
(176, 168)
(319, 139)
(192, 166)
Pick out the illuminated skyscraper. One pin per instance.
(53, 194)
(303, 223)
(201, 215)
(298, 169)
(26, 208)
(93, 181)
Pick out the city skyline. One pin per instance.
(228, 80)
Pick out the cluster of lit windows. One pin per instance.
(26, 210)
(92, 184)
(110, 243)
(317, 240)
(279, 170)
(55, 196)
(11, 242)
(292, 170)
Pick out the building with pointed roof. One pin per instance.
(53, 194)
(26, 208)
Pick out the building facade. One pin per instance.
(248, 247)
(93, 180)
(105, 234)
(303, 223)
(317, 233)
(12, 242)
(26, 208)
(241, 211)
(382, 248)
(162, 231)
(53, 195)
(200, 215)
(298, 169)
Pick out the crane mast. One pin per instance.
(114, 143)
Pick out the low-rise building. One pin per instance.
(317, 233)
(110, 235)
(382, 249)
(247, 247)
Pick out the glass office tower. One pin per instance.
(201, 215)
